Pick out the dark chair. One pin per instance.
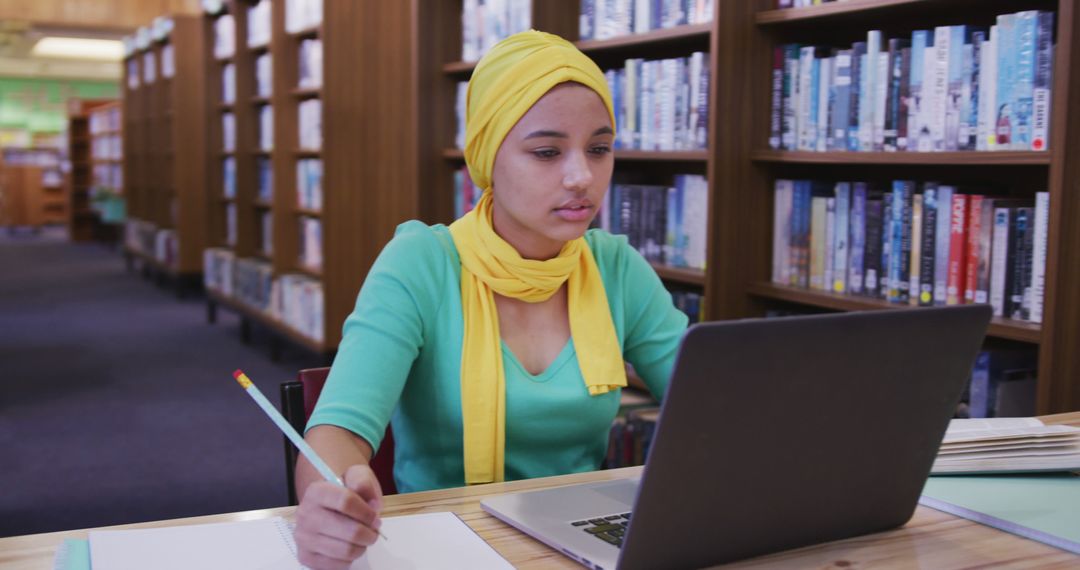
(298, 401)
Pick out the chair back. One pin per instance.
(298, 402)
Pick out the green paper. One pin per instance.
(1045, 508)
(73, 554)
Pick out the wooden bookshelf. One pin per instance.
(32, 192)
(740, 265)
(165, 152)
(84, 223)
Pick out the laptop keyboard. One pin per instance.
(609, 528)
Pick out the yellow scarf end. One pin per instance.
(601, 389)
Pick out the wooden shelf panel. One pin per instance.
(960, 158)
(309, 271)
(307, 92)
(267, 321)
(625, 154)
(682, 275)
(1002, 328)
(260, 100)
(307, 212)
(698, 32)
(259, 49)
(307, 153)
(262, 204)
(668, 35)
(307, 33)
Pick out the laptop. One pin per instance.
(773, 434)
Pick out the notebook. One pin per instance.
(430, 540)
(1007, 445)
(1045, 508)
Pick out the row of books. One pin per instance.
(266, 233)
(667, 224)
(45, 158)
(310, 124)
(485, 22)
(661, 104)
(311, 249)
(107, 147)
(139, 235)
(303, 14)
(266, 128)
(630, 437)
(604, 19)
(228, 132)
(952, 88)
(228, 83)
(309, 193)
(258, 24)
(264, 180)
(105, 120)
(168, 61)
(296, 300)
(108, 176)
(264, 75)
(224, 36)
(1002, 384)
(933, 247)
(166, 247)
(689, 302)
(310, 67)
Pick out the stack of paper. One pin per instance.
(1007, 445)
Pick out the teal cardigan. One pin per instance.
(399, 362)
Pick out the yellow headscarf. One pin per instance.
(505, 84)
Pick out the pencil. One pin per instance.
(288, 430)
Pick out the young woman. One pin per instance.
(494, 346)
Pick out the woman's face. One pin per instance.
(552, 170)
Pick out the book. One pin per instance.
(1041, 508)
(429, 540)
(1007, 445)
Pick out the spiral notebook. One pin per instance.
(432, 540)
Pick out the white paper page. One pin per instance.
(958, 425)
(433, 540)
(257, 544)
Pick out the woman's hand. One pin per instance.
(335, 525)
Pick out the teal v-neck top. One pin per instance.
(399, 362)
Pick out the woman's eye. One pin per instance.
(545, 153)
(600, 149)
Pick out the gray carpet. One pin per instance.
(118, 403)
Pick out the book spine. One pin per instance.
(841, 237)
(825, 96)
(1000, 255)
(818, 219)
(954, 93)
(830, 243)
(915, 248)
(892, 97)
(872, 259)
(790, 96)
(986, 237)
(857, 237)
(1014, 302)
(775, 130)
(881, 85)
(927, 245)
(1024, 86)
(904, 101)
(868, 92)
(858, 80)
(987, 92)
(940, 87)
(1038, 254)
(915, 87)
(970, 128)
(974, 233)
(887, 236)
(1006, 52)
(1044, 71)
(781, 231)
(841, 103)
(942, 238)
(957, 249)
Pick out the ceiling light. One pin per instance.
(79, 48)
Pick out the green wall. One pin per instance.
(39, 105)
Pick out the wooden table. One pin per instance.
(931, 539)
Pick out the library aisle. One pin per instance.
(118, 402)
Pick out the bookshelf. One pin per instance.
(327, 117)
(441, 68)
(32, 189)
(165, 153)
(739, 281)
(95, 154)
